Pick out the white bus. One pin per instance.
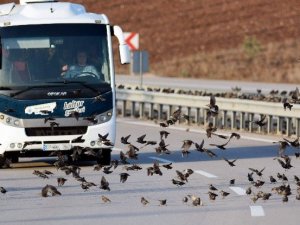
(57, 83)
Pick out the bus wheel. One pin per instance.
(105, 157)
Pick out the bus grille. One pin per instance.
(48, 131)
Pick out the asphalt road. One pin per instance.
(23, 204)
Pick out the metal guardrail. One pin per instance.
(234, 113)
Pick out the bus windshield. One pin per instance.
(36, 55)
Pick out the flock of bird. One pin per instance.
(129, 156)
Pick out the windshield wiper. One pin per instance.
(82, 83)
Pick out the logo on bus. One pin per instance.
(72, 106)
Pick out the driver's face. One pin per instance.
(81, 58)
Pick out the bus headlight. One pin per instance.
(12, 145)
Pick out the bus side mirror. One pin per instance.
(123, 47)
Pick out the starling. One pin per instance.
(123, 177)
(230, 163)
(124, 140)
(162, 202)
(105, 199)
(141, 139)
(272, 179)
(248, 191)
(224, 193)
(212, 188)
(61, 181)
(104, 184)
(49, 190)
(144, 201)
(3, 190)
(232, 182)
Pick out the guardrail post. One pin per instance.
(142, 109)
(160, 111)
(251, 116)
(224, 119)
(288, 126)
(297, 127)
(151, 111)
(132, 109)
(124, 108)
(279, 124)
(204, 115)
(189, 115)
(269, 124)
(242, 120)
(169, 112)
(197, 116)
(233, 119)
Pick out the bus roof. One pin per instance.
(48, 12)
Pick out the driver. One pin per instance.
(81, 69)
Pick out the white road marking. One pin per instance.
(206, 174)
(257, 210)
(238, 190)
(160, 159)
(140, 123)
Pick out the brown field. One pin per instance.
(254, 40)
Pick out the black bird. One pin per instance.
(49, 190)
(74, 114)
(105, 199)
(168, 166)
(196, 201)
(272, 179)
(212, 188)
(222, 146)
(282, 147)
(78, 139)
(99, 98)
(260, 122)
(231, 163)
(61, 181)
(248, 191)
(185, 147)
(144, 201)
(210, 129)
(3, 190)
(162, 202)
(91, 119)
(107, 170)
(124, 140)
(250, 177)
(287, 164)
(177, 182)
(163, 134)
(212, 195)
(141, 139)
(232, 182)
(104, 184)
(199, 147)
(163, 124)
(295, 143)
(123, 177)
(213, 108)
(224, 193)
(286, 104)
(49, 118)
(258, 172)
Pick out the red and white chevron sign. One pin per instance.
(132, 40)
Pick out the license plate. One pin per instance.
(56, 147)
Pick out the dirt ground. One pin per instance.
(219, 39)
